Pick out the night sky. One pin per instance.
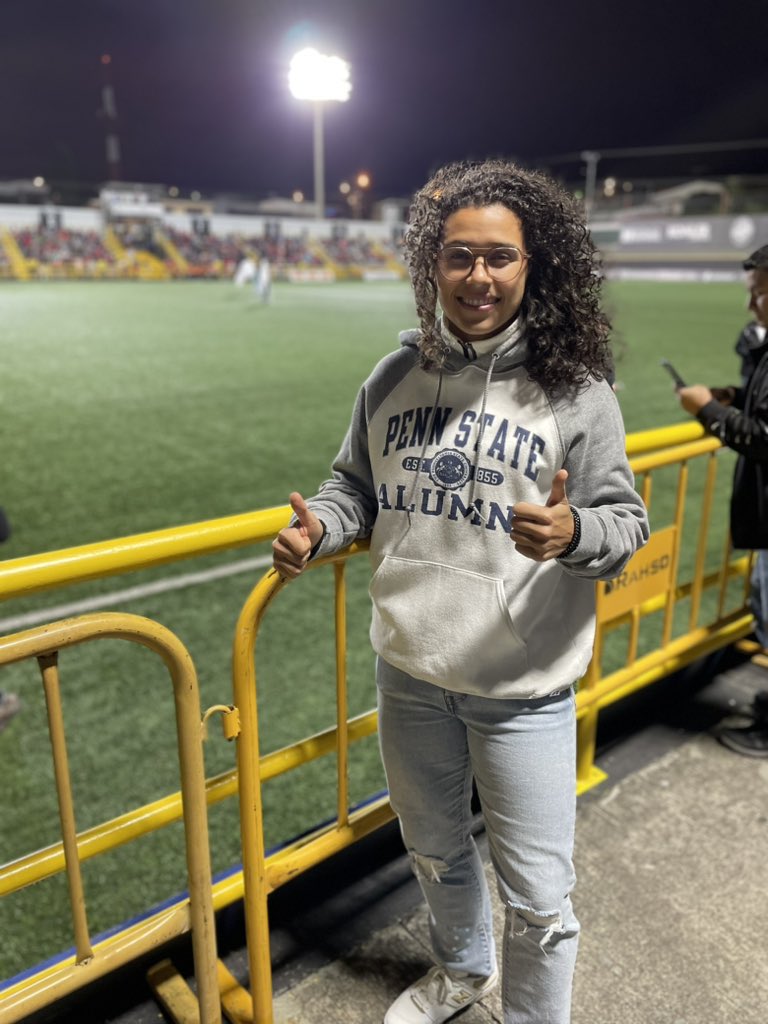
(203, 102)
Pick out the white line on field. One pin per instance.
(91, 604)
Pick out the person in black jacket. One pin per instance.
(739, 417)
(748, 343)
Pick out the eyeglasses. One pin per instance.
(501, 262)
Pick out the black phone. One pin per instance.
(679, 382)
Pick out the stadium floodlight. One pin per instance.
(320, 79)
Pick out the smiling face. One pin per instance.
(479, 307)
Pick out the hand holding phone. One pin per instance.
(679, 382)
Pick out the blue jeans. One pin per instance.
(759, 597)
(522, 754)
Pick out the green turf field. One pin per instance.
(129, 407)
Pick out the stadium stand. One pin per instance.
(55, 252)
(201, 255)
(148, 241)
(357, 250)
(137, 236)
(695, 230)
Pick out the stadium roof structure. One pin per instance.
(25, 190)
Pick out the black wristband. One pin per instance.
(576, 534)
(313, 552)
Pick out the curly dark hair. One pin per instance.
(565, 327)
(758, 260)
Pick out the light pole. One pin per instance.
(313, 76)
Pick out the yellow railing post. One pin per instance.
(701, 547)
(669, 611)
(587, 772)
(43, 643)
(342, 734)
(50, 672)
(251, 812)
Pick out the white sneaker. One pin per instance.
(438, 996)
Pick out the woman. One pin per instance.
(486, 460)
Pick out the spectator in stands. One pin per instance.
(63, 253)
(9, 702)
(456, 463)
(739, 417)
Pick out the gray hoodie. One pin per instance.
(431, 467)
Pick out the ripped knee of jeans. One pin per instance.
(429, 869)
(543, 928)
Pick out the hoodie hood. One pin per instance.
(508, 347)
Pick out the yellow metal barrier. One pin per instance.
(34, 573)
(674, 446)
(91, 962)
(262, 875)
(627, 604)
(656, 589)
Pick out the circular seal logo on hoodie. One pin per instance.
(450, 469)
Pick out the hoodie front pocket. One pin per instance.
(446, 625)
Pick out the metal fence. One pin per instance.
(680, 598)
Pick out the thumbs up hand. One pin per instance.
(543, 532)
(293, 545)
(557, 495)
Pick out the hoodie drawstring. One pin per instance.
(427, 436)
(480, 431)
(481, 425)
(470, 353)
